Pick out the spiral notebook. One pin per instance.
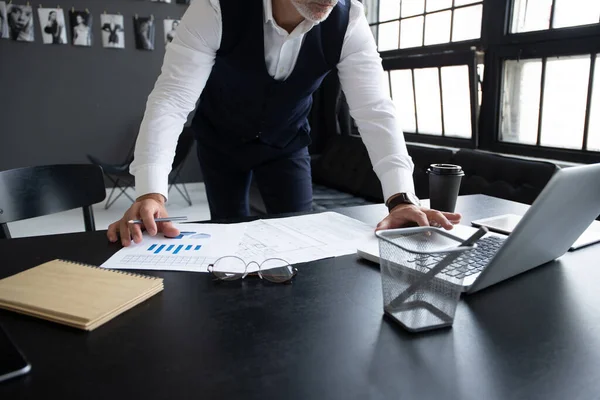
(79, 295)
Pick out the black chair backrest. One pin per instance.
(36, 191)
(184, 144)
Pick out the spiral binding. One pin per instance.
(111, 270)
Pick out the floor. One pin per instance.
(72, 221)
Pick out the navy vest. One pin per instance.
(242, 103)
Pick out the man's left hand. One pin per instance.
(406, 214)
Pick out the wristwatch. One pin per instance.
(403, 198)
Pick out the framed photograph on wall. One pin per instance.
(170, 29)
(144, 32)
(52, 24)
(81, 27)
(20, 22)
(3, 21)
(113, 34)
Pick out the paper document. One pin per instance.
(304, 238)
(293, 239)
(197, 246)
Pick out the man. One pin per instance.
(255, 64)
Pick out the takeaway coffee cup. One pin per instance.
(444, 183)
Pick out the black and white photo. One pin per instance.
(113, 34)
(144, 32)
(20, 22)
(52, 22)
(161, 1)
(3, 23)
(81, 27)
(170, 29)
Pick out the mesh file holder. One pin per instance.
(421, 277)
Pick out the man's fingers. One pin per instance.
(420, 218)
(147, 216)
(124, 232)
(112, 231)
(168, 229)
(437, 218)
(136, 232)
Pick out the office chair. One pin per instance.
(118, 174)
(121, 179)
(36, 191)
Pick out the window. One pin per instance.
(541, 92)
(538, 15)
(416, 23)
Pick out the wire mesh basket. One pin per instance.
(421, 278)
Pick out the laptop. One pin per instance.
(566, 207)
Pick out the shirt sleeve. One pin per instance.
(367, 91)
(188, 62)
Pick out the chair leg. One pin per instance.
(88, 219)
(185, 196)
(4, 232)
(123, 191)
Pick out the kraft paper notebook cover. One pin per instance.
(78, 295)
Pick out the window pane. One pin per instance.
(531, 15)
(403, 96)
(467, 23)
(388, 36)
(576, 12)
(594, 128)
(434, 5)
(429, 114)
(412, 7)
(456, 101)
(463, 2)
(389, 9)
(521, 101)
(437, 27)
(565, 95)
(411, 32)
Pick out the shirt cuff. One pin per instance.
(396, 181)
(151, 179)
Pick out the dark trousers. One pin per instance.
(284, 181)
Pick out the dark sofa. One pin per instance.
(343, 175)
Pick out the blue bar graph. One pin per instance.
(189, 247)
(177, 249)
(170, 247)
(162, 246)
(197, 248)
(151, 247)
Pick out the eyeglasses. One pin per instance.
(230, 268)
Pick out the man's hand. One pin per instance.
(146, 208)
(405, 214)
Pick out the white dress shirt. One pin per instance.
(188, 63)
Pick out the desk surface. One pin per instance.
(536, 336)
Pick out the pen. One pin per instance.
(168, 219)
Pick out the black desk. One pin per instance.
(533, 337)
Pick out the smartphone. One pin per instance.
(501, 223)
(12, 361)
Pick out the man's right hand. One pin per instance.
(145, 208)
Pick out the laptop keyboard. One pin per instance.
(475, 260)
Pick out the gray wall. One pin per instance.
(59, 103)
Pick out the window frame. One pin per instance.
(498, 44)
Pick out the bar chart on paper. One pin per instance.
(192, 250)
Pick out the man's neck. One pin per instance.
(286, 15)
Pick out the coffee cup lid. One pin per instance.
(445, 169)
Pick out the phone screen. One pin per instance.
(12, 362)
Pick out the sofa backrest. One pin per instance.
(510, 178)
